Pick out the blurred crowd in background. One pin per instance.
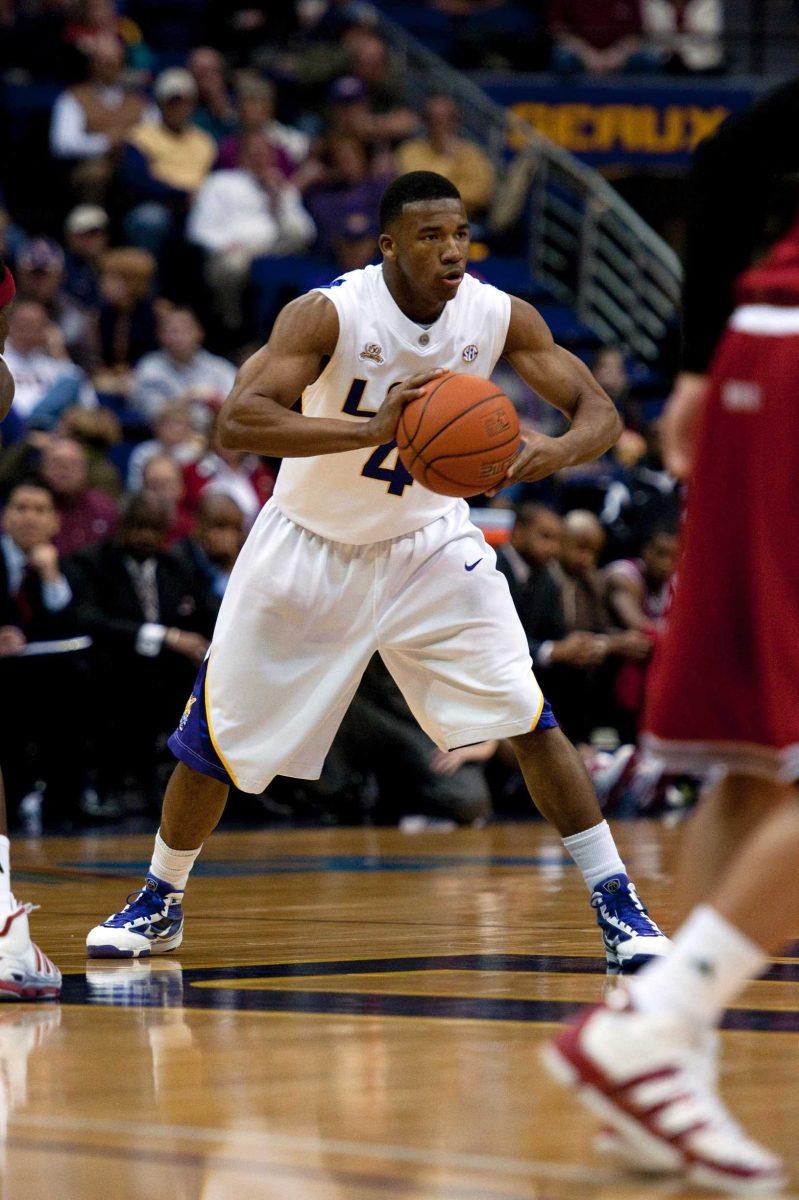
(201, 164)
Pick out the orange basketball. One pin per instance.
(460, 436)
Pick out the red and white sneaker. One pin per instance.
(649, 1079)
(25, 973)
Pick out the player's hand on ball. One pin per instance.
(382, 427)
(539, 457)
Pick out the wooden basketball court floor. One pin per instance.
(354, 1014)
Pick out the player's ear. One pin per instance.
(388, 247)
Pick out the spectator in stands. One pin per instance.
(243, 477)
(350, 114)
(444, 151)
(97, 18)
(181, 369)
(687, 33)
(40, 277)
(174, 437)
(357, 243)
(97, 430)
(256, 114)
(609, 368)
(347, 189)
(126, 319)
(87, 514)
(150, 618)
(91, 121)
(36, 605)
(242, 214)
(526, 563)
(86, 236)
(163, 480)
(638, 590)
(46, 379)
(164, 162)
(215, 113)
(378, 70)
(600, 37)
(218, 537)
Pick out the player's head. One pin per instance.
(424, 237)
(582, 543)
(30, 516)
(537, 533)
(659, 553)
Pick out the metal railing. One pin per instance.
(588, 247)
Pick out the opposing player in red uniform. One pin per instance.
(723, 699)
(25, 973)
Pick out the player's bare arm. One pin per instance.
(565, 383)
(6, 383)
(257, 415)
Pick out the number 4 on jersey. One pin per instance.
(396, 477)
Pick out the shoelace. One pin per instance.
(144, 903)
(627, 906)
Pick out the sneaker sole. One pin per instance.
(161, 946)
(654, 1153)
(31, 991)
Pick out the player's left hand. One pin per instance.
(538, 457)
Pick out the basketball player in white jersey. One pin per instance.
(25, 973)
(351, 557)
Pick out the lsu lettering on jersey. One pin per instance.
(363, 496)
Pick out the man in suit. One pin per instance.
(37, 618)
(150, 617)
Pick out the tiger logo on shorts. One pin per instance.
(186, 711)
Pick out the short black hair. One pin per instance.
(411, 187)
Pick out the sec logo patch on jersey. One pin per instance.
(470, 353)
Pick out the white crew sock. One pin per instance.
(173, 866)
(708, 966)
(7, 901)
(595, 853)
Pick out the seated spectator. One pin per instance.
(47, 381)
(347, 189)
(380, 737)
(162, 479)
(350, 114)
(217, 539)
(36, 605)
(242, 214)
(256, 114)
(357, 244)
(150, 619)
(181, 369)
(688, 34)
(600, 37)
(97, 430)
(215, 113)
(609, 369)
(126, 319)
(91, 121)
(41, 277)
(86, 237)
(242, 477)
(639, 590)
(97, 18)
(444, 151)
(584, 609)
(164, 162)
(175, 437)
(87, 514)
(380, 72)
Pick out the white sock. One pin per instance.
(7, 901)
(595, 853)
(709, 965)
(173, 866)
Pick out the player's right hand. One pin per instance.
(382, 427)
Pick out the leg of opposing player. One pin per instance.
(644, 1060)
(561, 790)
(25, 972)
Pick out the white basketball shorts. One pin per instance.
(300, 620)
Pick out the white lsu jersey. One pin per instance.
(363, 496)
